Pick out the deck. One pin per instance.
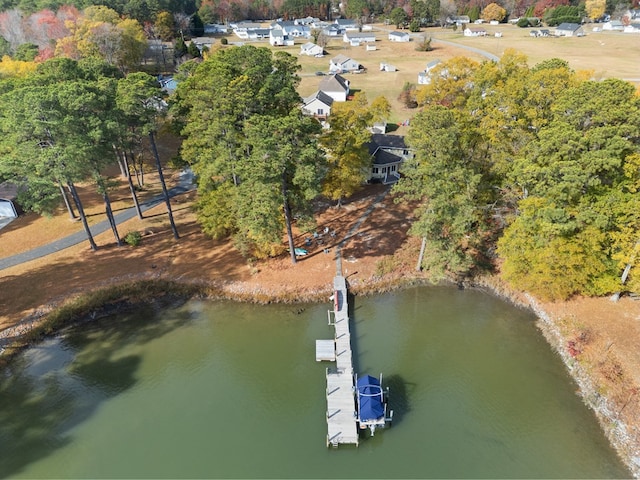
(341, 404)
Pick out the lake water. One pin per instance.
(226, 390)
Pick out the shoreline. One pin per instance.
(126, 296)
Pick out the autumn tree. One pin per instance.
(346, 144)
(493, 11)
(573, 231)
(595, 8)
(165, 26)
(237, 106)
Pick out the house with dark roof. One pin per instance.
(388, 152)
(569, 30)
(347, 24)
(318, 105)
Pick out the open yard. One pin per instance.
(606, 54)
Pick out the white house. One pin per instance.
(333, 30)
(612, 25)
(292, 29)
(347, 24)
(213, 28)
(632, 28)
(399, 36)
(336, 86)
(277, 38)
(356, 38)
(458, 20)
(387, 67)
(318, 105)
(569, 30)
(424, 77)
(474, 32)
(311, 49)
(341, 63)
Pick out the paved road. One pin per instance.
(186, 183)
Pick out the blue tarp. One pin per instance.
(370, 398)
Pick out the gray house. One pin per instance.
(341, 63)
(569, 30)
(387, 152)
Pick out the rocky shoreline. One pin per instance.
(35, 327)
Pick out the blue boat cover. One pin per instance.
(370, 398)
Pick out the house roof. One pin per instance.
(345, 21)
(382, 140)
(309, 46)
(360, 35)
(476, 30)
(382, 157)
(340, 59)
(398, 34)
(570, 27)
(321, 96)
(334, 83)
(432, 64)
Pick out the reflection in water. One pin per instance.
(224, 390)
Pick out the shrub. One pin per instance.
(133, 238)
(224, 41)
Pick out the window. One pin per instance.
(375, 169)
(320, 111)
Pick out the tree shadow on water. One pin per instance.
(51, 388)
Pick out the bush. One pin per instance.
(133, 238)
(224, 41)
(523, 22)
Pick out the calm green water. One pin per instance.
(231, 390)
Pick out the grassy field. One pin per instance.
(606, 54)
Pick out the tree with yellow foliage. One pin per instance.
(595, 8)
(15, 68)
(101, 32)
(493, 11)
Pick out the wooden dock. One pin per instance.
(341, 404)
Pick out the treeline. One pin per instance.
(260, 162)
(532, 170)
(65, 121)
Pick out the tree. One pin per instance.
(595, 8)
(493, 11)
(138, 97)
(62, 133)
(357, 9)
(223, 103)
(281, 177)
(196, 26)
(347, 149)
(579, 193)
(165, 26)
(447, 183)
(399, 17)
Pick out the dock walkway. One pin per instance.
(341, 404)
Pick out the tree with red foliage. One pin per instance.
(544, 5)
